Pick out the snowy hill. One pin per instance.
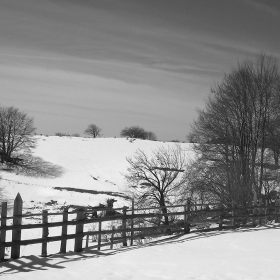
(76, 163)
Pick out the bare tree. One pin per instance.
(231, 133)
(134, 132)
(156, 180)
(93, 130)
(16, 130)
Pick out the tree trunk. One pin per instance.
(164, 210)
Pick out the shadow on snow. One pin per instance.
(32, 263)
(36, 167)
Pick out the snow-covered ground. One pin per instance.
(227, 255)
(76, 162)
(96, 165)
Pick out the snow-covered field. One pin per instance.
(76, 162)
(96, 165)
(241, 254)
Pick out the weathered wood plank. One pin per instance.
(232, 214)
(99, 234)
(3, 233)
(255, 210)
(40, 240)
(132, 223)
(124, 226)
(78, 247)
(87, 241)
(265, 212)
(64, 231)
(16, 234)
(45, 233)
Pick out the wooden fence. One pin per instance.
(135, 224)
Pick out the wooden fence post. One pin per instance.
(112, 237)
(132, 223)
(265, 211)
(221, 217)
(260, 211)
(64, 231)
(3, 232)
(254, 209)
(186, 217)
(45, 233)
(124, 226)
(99, 235)
(78, 247)
(221, 224)
(16, 233)
(276, 212)
(233, 215)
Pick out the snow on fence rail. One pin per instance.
(220, 215)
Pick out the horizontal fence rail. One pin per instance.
(133, 224)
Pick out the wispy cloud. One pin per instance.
(220, 47)
(185, 69)
(264, 6)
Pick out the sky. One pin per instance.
(118, 63)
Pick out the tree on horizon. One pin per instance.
(93, 130)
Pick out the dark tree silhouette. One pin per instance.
(236, 129)
(93, 130)
(16, 133)
(156, 180)
(138, 132)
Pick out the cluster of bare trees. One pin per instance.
(236, 136)
(237, 143)
(138, 132)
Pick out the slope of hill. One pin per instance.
(61, 163)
